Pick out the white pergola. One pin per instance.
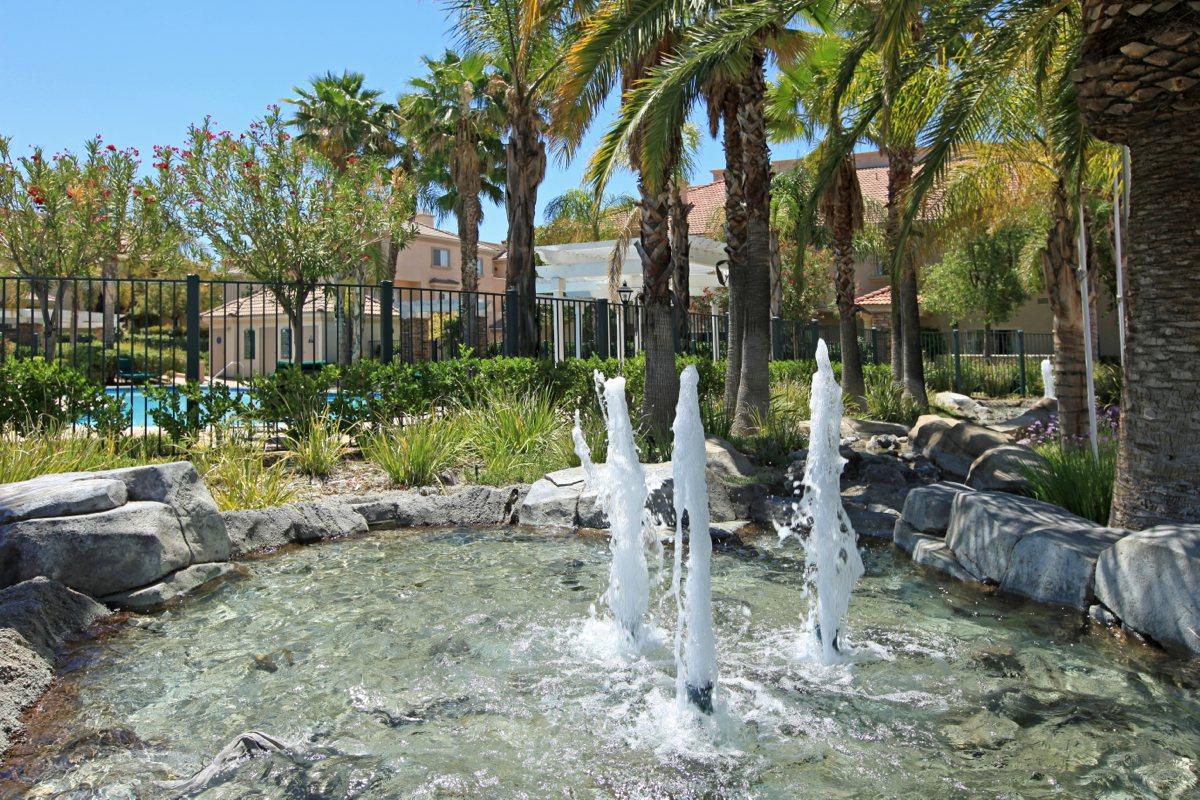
(581, 269)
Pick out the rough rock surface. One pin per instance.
(930, 551)
(1002, 469)
(180, 487)
(1151, 580)
(36, 618)
(872, 520)
(874, 427)
(955, 448)
(266, 528)
(927, 508)
(173, 588)
(725, 459)
(926, 427)
(1058, 566)
(958, 403)
(59, 496)
(986, 526)
(98, 554)
(1040, 414)
(466, 505)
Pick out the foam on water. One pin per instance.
(832, 560)
(620, 486)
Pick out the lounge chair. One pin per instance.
(127, 371)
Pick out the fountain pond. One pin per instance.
(451, 663)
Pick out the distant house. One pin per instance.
(432, 259)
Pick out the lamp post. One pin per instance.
(624, 292)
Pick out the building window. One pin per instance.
(479, 266)
(285, 344)
(441, 257)
(248, 344)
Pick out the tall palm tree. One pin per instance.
(1138, 80)
(453, 118)
(524, 41)
(341, 119)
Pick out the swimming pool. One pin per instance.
(136, 405)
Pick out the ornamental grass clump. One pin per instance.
(419, 453)
(239, 476)
(43, 452)
(317, 447)
(518, 439)
(1070, 476)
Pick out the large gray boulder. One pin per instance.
(1151, 580)
(1028, 547)
(179, 486)
(1002, 469)
(726, 460)
(299, 523)
(172, 588)
(1058, 566)
(927, 508)
(930, 551)
(47, 614)
(465, 505)
(926, 427)
(954, 449)
(59, 495)
(98, 554)
(36, 618)
(960, 404)
(553, 501)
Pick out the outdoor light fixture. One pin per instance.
(625, 292)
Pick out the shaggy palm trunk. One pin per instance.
(912, 368)
(658, 339)
(526, 166)
(1139, 85)
(735, 244)
(754, 387)
(468, 211)
(680, 260)
(853, 384)
(1062, 288)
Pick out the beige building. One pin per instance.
(432, 259)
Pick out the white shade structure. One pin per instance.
(581, 269)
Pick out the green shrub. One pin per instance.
(37, 394)
(1071, 477)
(317, 447)
(780, 434)
(1108, 381)
(418, 453)
(887, 402)
(292, 397)
(183, 412)
(238, 476)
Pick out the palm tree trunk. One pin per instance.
(754, 387)
(735, 242)
(1062, 288)
(853, 384)
(680, 259)
(526, 166)
(901, 162)
(654, 247)
(468, 236)
(1158, 463)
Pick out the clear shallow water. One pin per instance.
(466, 664)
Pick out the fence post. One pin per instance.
(814, 332)
(510, 322)
(192, 370)
(957, 343)
(600, 330)
(386, 332)
(1021, 359)
(776, 338)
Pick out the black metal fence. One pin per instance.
(128, 333)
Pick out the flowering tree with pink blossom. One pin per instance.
(68, 216)
(281, 212)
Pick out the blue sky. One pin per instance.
(138, 72)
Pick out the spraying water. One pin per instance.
(1047, 378)
(696, 666)
(620, 487)
(831, 557)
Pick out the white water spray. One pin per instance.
(696, 665)
(831, 555)
(620, 486)
(1047, 378)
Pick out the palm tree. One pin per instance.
(524, 42)
(577, 215)
(724, 60)
(340, 119)
(1138, 80)
(453, 118)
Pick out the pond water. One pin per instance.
(462, 663)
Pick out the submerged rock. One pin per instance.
(246, 746)
(985, 730)
(173, 588)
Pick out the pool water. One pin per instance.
(458, 663)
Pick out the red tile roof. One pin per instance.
(879, 297)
